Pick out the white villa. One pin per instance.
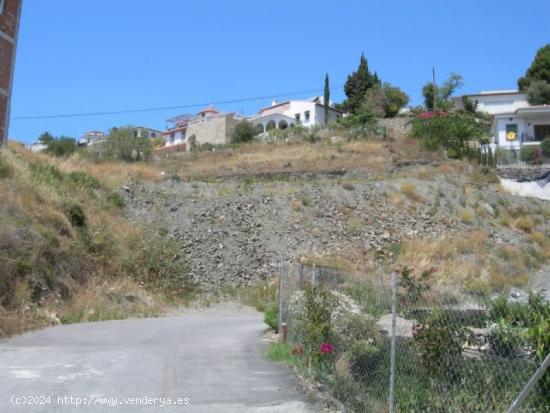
(307, 113)
(515, 122)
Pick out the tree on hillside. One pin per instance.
(244, 132)
(122, 144)
(374, 102)
(442, 93)
(384, 101)
(46, 138)
(539, 69)
(538, 92)
(326, 98)
(62, 146)
(394, 100)
(357, 85)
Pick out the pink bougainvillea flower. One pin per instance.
(326, 348)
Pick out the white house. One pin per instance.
(92, 137)
(495, 102)
(308, 113)
(515, 122)
(144, 132)
(36, 147)
(524, 126)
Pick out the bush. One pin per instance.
(116, 199)
(530, 154)
(545, 146)
(123, 145)
(6, 170)
(62, 146)
(75, 214)
(271, 316)
(439, 341)
(449, 130)
(525, 223)
(244, 132)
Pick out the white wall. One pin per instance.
(179, 137)
(501, 103)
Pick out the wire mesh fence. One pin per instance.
(412, 348)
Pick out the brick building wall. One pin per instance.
(10, 11)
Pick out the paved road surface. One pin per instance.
(213, 359)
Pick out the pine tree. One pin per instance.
(326, 98)
(357, 85)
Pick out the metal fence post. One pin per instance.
(530, 384)
(393, 340)
(313, 275)
(281, 282)
(301, 275)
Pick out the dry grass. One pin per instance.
(466, 215)
(525, 223)
(409, 190)
(467, 262)
(45, 257)
(277, 158)
(112, 299)
(539, 238)
(113, 174)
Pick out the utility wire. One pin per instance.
(163, 108)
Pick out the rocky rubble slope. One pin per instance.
(236, 231)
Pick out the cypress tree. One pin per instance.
(357, 85)
(326, 98)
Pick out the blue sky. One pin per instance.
(78, 56)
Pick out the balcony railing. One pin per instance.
(526, 137)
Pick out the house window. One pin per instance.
(1, 6)
(172, 137)
(297, 116)
(541, 132)
(153, 135)
(306, 115)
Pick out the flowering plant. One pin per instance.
(326, 348)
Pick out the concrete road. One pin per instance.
(203, 362)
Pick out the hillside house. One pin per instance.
(144, 132)
(282, 115)
(207, 126)
(91, 137)
(515, 122)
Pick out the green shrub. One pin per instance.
(244, 132)
(450, 130)
(545, 146)
(158, 262)
(123, 145)
(76, 215)
(530, 154)
(45, 173)
(314, 324)
(62, 146)
(6, 170)
(280, 352)
(271, 316)
(116, 199)
(506, 339)
(82, 180)
(439, 341)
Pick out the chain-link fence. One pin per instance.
(413, 347)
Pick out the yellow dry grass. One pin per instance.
(111, 173)
(274, 158)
